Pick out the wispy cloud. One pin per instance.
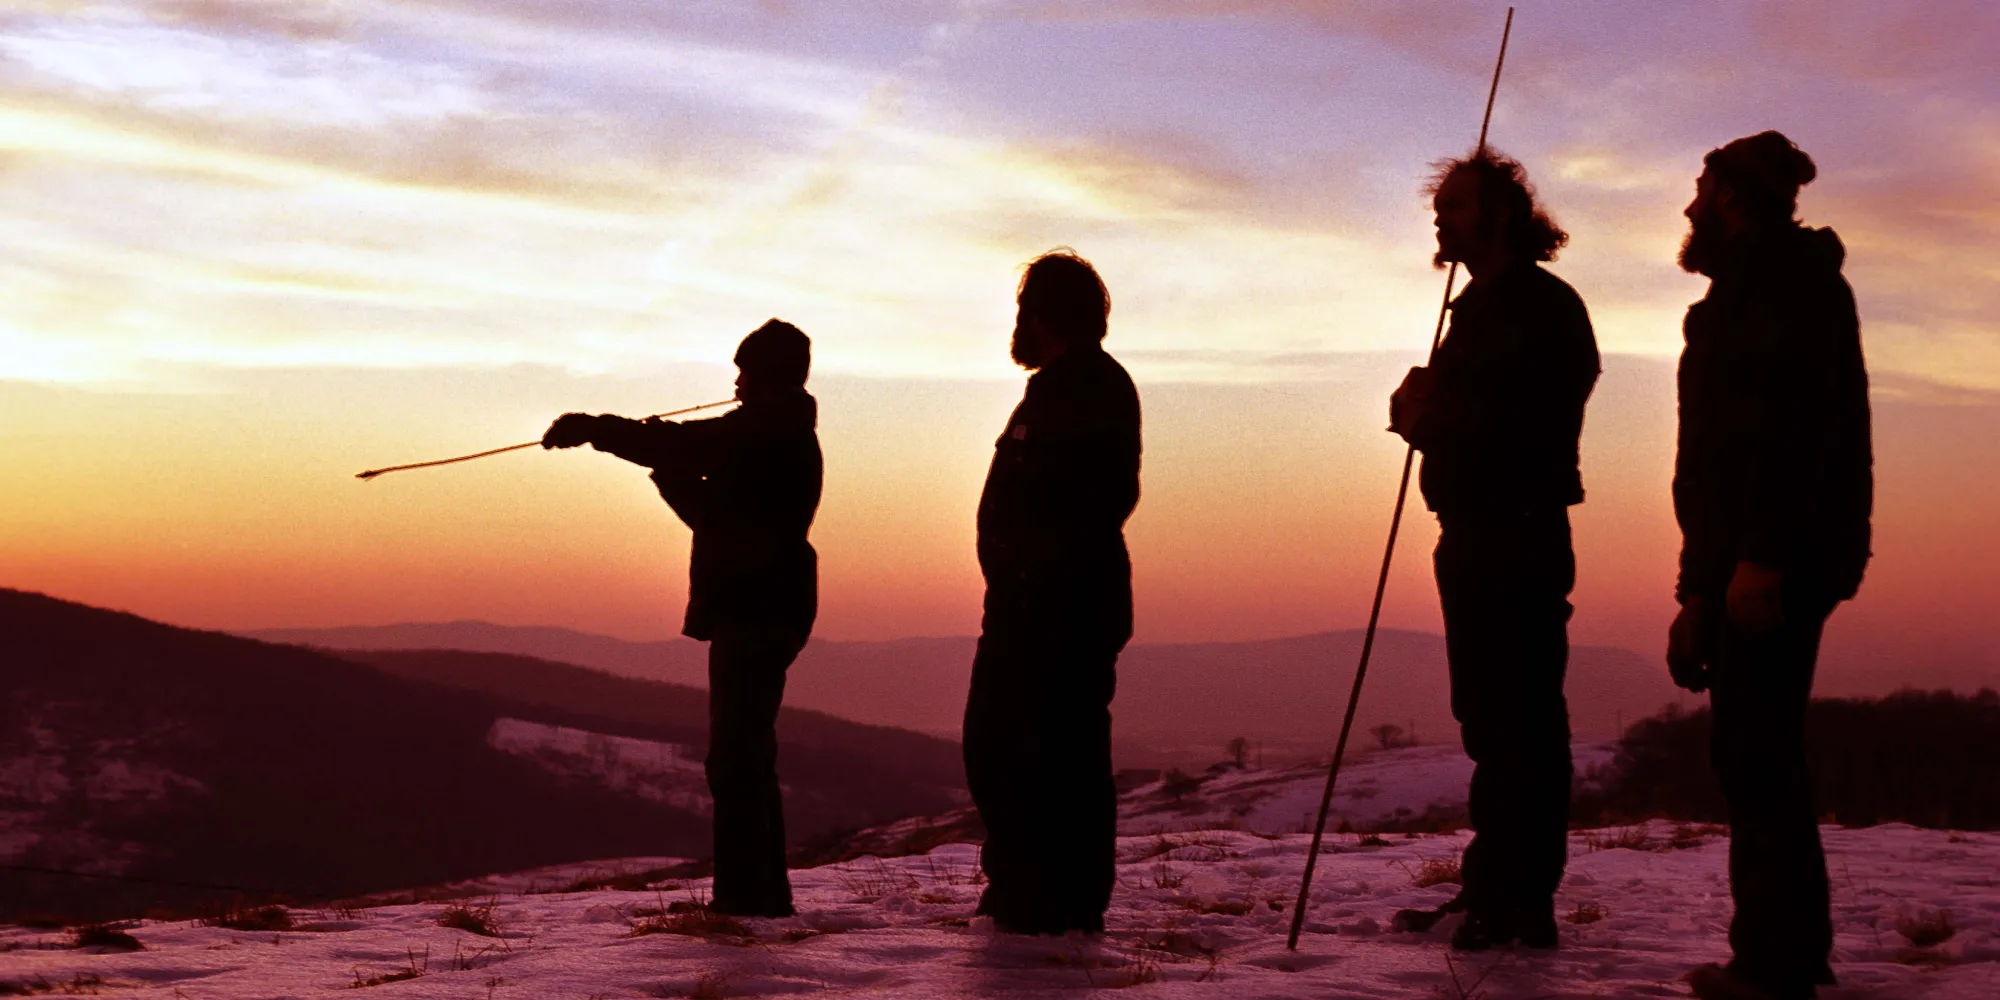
(608, 187)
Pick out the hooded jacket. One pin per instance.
(748, 484)
(1775, 464)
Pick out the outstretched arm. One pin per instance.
(652, 442)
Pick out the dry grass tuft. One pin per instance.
(1585, 913)
(81, 984)
(111, 936)
(471, 918)
(254, 918)
(693, 921)
(413, 970)
(1625, 838)
(1433, 871)
(1197, 847)
(875, 880)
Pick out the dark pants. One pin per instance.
(1038, 763)
(1760, 685)
(746, 684)
(1504, 581)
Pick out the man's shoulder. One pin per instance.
(1091, 369)
(1084, 385)
(1550, 288)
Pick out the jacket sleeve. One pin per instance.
(680, 454)
(1791, 437)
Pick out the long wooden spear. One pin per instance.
(1388, 552)
(372, 473)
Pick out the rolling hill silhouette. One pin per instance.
(1171, 696)
(138, 749)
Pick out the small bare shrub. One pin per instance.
(947, 873)
(255, 918)
(1144, 968)
(81, 984)
(1178, 785)
(1686, 835)
(411, 971)
(1585, 913)
(1433, 871)
(1165, 876)
(875, 880)
(699, 922)
(111, 936)
(1628, 838)
(1225, 907)
(1195, 846)
(471, 918)
(1928, 930)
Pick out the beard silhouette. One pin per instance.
(1702, 250)
(1025, 349)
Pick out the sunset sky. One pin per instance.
(250, 248)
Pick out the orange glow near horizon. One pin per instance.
(252, 247)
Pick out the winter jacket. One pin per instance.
(1064, 478)
(1775, 465)
(1499, 430)
(748, 484)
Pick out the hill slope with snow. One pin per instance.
(1197, 913)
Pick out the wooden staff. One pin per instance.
(1388, 553)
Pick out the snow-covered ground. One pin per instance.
(1197, 913)
(1385, 787)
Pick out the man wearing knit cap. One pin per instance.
(1773, 486)
(747, 483)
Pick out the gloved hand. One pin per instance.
(1754, 600)
(570, 430)
(1407, 403)
(1689, 646)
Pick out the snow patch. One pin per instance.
(668, 773)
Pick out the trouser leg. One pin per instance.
(1782, 930)
(995, 748)
(1504, 581)
(1038, 763)
(746, 683)
(1078, 819)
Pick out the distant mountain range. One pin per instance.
(1171, 697)
(164, 756)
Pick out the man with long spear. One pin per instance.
(748, 484)
(1773, 487)
(1497, 415)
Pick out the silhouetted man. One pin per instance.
(1773, 486)
(1497, 415)
(1065, 476)
(747, 483)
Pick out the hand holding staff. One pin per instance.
(372, 473)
